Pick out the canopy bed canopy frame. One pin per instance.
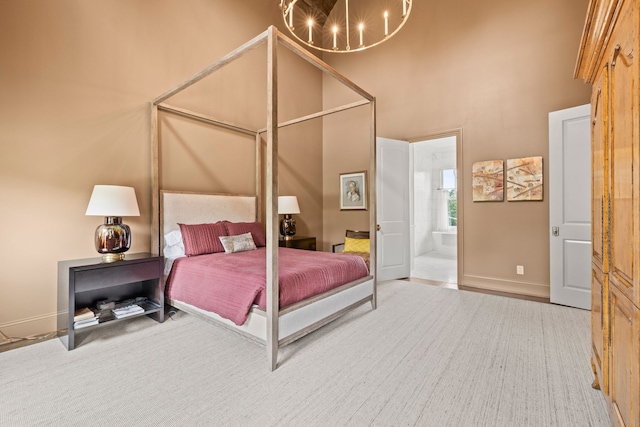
(272, 37)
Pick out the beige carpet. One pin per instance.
(427, 356)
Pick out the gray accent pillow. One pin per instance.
(239, 243)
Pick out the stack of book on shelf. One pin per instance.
(84, 317)
(127, 310)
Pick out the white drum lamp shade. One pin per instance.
(288, 205)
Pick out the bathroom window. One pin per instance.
(448, 181)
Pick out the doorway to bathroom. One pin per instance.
(434, 210)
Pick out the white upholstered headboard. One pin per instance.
(199, 208)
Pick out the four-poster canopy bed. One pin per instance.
(278, 318)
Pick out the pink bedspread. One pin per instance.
(228, 284)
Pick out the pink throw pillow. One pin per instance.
(201, 239)
(255, 228)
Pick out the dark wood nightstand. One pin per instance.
(83, 282)
(298, 242)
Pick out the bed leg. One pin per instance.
(272, 353)
(273, 361)
(374, 303)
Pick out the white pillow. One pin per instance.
(239, 243)
(174, 251)
(173, 245)
(173, 238)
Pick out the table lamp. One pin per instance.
(288, 205)
(113, 238)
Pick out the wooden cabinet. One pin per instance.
(606, 60)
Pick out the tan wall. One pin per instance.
(495, 69)
(76, 78)
(346, 150)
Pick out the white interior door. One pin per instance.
(392, 194)
(570, 206)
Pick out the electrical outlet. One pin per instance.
(519, 269)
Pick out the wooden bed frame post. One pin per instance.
(272, 199)
(259, 194)
(155, 183)
(373, 219)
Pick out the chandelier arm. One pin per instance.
(346, 2)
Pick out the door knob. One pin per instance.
(555, 231)
(378, 227)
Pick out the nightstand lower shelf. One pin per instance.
(149, 310)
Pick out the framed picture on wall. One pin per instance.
(524, 179)
(353, 191)
(488, 181)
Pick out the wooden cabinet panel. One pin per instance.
(625, 361)
(623, 149)
(600, 171)
(600, 328)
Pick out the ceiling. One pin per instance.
(319, 9)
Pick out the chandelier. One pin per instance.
(343, 26)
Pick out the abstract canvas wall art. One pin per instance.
(524, 179)
(488, 181)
